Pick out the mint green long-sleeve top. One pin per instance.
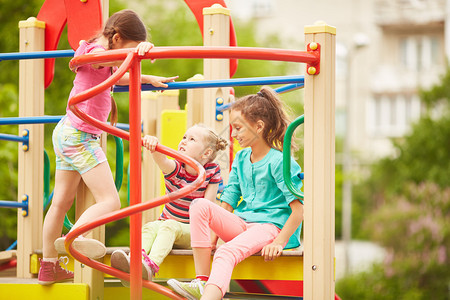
(265, 197)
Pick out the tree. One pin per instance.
(405, 206)
(412, 226)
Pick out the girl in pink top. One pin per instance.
(77, 145)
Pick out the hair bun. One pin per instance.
(221, 144)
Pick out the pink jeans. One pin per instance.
(242, 239)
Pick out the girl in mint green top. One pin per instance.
(268, 218)
(265, 197)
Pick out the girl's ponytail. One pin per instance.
(274, 133)
(114, 115)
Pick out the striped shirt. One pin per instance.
(179, 209)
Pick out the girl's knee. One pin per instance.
(227, 254)
(115, 205)
(198, 205)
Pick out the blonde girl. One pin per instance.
(172, 229)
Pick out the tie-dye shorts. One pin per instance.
(76, 150)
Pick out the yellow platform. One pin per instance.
(179, 264)
(26, 289)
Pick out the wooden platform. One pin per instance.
(6, 256)
(178, 264)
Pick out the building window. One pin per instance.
(419, 53)
(262, 8)
(391, 115)
(435, 52)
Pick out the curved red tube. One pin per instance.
(309, 57)
(131, 60)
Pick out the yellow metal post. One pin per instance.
(153, 103)
(216, 32)
(194, 103)
(31, 162)
(319, 168)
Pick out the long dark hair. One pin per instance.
(266, 106)
(130, 27)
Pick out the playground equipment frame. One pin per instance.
(319, 150)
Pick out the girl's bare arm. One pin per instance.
(274, 249)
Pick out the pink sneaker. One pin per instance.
(89, 247)
(121, 261)
(148, 263)
(50, 272)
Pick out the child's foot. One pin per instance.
(89, 247)
(192, 290)
(121, 261)
(151, 267)
(51, 272)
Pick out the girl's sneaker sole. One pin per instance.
(89, 247)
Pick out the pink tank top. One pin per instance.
(86, 77)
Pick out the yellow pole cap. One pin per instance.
(31, 22)
(216, 9)
(320, 27)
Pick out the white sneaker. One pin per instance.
(89, 247)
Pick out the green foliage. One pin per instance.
(439, 92)
(11, 13)
(405, 206)
(423, 156)
(413, 228)
(374, 285)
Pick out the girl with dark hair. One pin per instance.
(77, 145)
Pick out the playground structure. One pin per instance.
(203, 106)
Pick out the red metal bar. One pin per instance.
(309, 57)
(8, 265)
(131, 60)
(135, 179)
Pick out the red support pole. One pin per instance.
(129, 60)
(135, 180)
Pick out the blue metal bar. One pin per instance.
(126, 127)
(13, 204)
(30, 120)
(220, 83)
(13, 138)
(295, 81)
(289, 87)
(280, 90)
(36, 55)
(43, 120)
(13, 245)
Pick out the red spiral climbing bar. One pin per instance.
(132, 63)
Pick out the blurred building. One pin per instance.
(386, 51)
